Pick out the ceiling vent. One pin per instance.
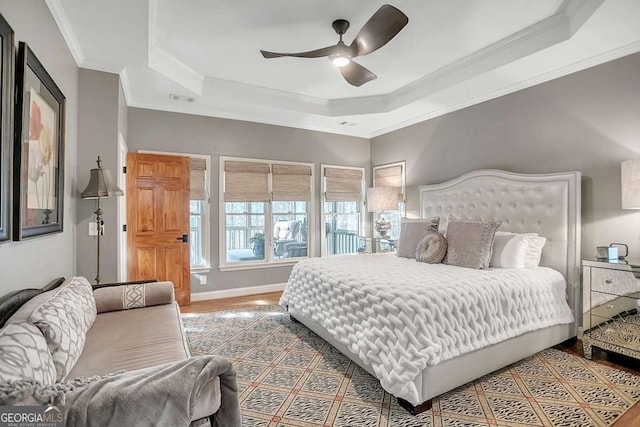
(184, 98)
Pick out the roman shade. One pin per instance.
(246, 181)
(343, 185)
(291, 182)
(390, 176)
(198, 186)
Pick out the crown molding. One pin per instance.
(254, 118)
(126, 85)
(579, 11)
(259, 95)
(169, 66)
(102, 66)
(541, 78)
(60, 16)
(166, 64)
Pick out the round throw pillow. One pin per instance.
(432, 248)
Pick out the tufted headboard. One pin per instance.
(547, 204)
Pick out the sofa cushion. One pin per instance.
(132, 339)
(64, 320)
(24, 355)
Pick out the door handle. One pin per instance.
(184, 238)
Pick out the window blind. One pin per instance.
(390, 177)
(246, 181)
(291, 182)
(343, 185)
(198, 186)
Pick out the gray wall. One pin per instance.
(99, 119)
(36, 261)
(588, 121)
(163, 131)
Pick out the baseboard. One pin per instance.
(228, 293)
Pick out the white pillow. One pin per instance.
(534, 253)
(509, 251)
(512, 250)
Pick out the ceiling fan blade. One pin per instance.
(356, 74)
(318, 53)
(384, 25)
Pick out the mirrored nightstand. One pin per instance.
(373, 245)
(611, 299)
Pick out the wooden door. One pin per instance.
(157, 219)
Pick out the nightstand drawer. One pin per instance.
(609, 306)
(618, 282)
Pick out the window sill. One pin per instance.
(254, 266)
(200, 270)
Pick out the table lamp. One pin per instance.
(381, 199)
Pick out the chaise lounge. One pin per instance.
(69, 330)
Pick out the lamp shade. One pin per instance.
(382, 199)
(630, 184)
(100, 184)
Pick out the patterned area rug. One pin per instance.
(288, 376)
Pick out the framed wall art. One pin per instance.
(7, 59)
(38, 150)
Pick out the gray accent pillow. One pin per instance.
(432, 248)
(64, 321)
(24, 355)
(411, 231)
(23, 313)
(470, 243)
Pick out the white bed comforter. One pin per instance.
(398, 315)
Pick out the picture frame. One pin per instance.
(38, 150)
(7, 61)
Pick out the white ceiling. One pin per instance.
(453, 53)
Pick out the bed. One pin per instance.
(342, 299)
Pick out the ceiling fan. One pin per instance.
(384, 25)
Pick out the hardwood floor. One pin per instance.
(631, 418)
(235, 302)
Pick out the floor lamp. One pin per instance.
(100, 186)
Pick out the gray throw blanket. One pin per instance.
(163, 395)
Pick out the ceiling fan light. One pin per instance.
(340, 61)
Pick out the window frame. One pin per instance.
(403, 210)
(206, 222)
(270, 261)
(364, 222)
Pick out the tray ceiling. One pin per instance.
(453, 53)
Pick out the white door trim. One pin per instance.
(122, 209)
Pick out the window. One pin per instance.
(199, 214)
(199, 210)
(267, 212)
(197, 230)
(342, 209)
(392, 175)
